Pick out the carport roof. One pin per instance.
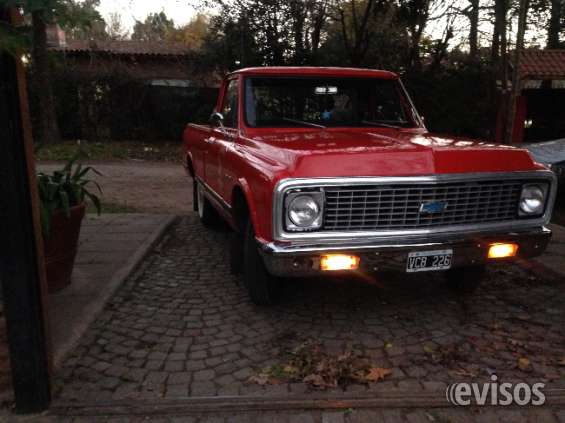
(542, 64)
(123, 47)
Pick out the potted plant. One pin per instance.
(63, 197)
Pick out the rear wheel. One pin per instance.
(263, 288)
(465, 280)
(208, 216)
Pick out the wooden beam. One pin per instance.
(21, 257)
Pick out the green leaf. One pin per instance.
(95, 200)
(77, 174)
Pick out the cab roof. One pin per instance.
(316, 71)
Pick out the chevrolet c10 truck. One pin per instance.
(331, 170)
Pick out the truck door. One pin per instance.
(222, 137)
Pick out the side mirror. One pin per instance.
(217, 119)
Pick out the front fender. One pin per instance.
(257, 221)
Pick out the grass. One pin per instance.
(111, 150)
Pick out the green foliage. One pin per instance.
(64, 189)
(14, 39)
(81, 20)
(156, 27)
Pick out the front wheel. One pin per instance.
(263, 288)
(465, 280)
(208, 216)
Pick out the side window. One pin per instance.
(229, 105)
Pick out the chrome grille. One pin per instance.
(384, 207)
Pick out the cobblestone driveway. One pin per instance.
(182, 326)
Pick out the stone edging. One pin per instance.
(196, 405)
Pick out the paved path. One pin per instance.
(182, 327)
(110, 247)
(147, 187)
(553, 260)
(389, 415)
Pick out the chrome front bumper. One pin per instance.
(378, 254)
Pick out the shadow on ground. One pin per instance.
(183, 326)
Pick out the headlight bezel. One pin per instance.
(543, 188)
(317, 197)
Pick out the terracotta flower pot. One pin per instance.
(61, 247)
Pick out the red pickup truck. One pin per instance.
(325, 170)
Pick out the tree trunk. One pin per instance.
(514, 94)
(474, 30)
(554, 24)
(46, 130)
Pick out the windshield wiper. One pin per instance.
(381, 124)
(303, 122)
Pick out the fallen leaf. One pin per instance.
(377, 373)
(523, 363)
(291, 370)
(259, 379)
(429, 349)
(388, 344)
(315, 380)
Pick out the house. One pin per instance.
(540, 106)
(124, 89)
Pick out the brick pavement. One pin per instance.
(110, 246)
(393, 415)
(182, 327)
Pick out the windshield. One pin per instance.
(326, 102)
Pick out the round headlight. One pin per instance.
(303, 211)
(532, 200)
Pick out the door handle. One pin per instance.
(209, 140)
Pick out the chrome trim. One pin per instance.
(278, 208)
(389, 244)
(292, 261)
(318, 198)
(213, 195)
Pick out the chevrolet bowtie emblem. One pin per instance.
(433, 207)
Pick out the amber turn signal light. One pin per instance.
(501, 250)
(339, 262)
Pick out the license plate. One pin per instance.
(425, 261)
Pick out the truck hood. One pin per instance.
(388, 152)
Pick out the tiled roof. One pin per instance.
(540, 64)
(126, 47)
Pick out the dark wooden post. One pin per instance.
(21, 261)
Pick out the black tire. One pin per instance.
(263, 289)
(194, 195)
(236, 252)
(465, 280)
(206, 212)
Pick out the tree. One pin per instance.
(193, 33)
(356, 31)
(46, 128)
(556, 24)
(415, 14)
(73, 15)
(374, 43)
(155, 27)
(81, 20)
(284, 31)
(115, 29)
